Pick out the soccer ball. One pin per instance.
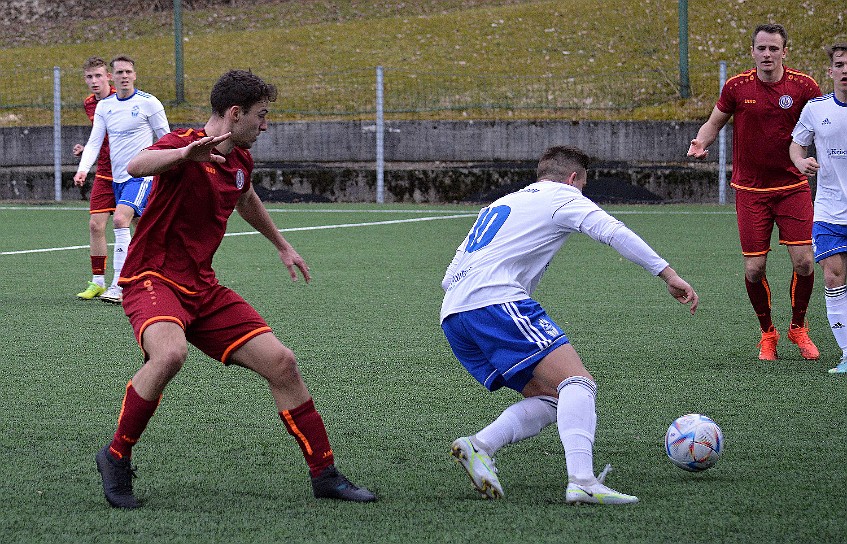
(694, 442)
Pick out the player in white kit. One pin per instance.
(824, 122)
(133, 120)
(504, 338)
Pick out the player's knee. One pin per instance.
(97, 227)
(804, 267)
(284, 366)
(754, 273)
(123, 217)
(169, 360)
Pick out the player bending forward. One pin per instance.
(171, 294)
(823, 122)
(505, 338)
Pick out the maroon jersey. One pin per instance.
(764, 116)
(186, 216)
(104, 164)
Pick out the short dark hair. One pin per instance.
(831, 49)
(240, 88)
(557, 163)
(771, 28)
(121, 58)
(92, 63)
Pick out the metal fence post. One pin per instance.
(57, 132)
(178, 57)
(380, 133)
(684, 83)
(722, 146)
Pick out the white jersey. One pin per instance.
(132, 123)
(505, 254)
(824, 122)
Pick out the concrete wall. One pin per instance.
(426, 161)
(412, 141)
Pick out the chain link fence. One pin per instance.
(26, 97)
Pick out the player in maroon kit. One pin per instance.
(172, 296)
(101, 200)
(766, 102)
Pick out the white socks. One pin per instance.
(577, 422)
(574, 413)
(836, 312)
(122, 238)
(524, 419)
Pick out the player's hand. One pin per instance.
(77, 150)
(293, 261)
(201, 150)
(697, 150)
(79, 178)
(684, 293)
(808, 166)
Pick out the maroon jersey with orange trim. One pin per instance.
(104, 164)
(186, 216)
(764, 116)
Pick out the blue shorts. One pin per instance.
(133, 193)
(828, 239)
(501, 344)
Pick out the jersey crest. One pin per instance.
(239, 179)
(785, 102)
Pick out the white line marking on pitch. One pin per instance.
(292, 229)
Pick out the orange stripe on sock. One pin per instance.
(286, 415)
(768, 290)
(115, 452)
(793, 288)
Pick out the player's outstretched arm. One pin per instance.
(150, 162)
(250, 207)
(707, 134)
(680, 289)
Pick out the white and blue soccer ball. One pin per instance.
(694, 442)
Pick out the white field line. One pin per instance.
(272, 210)
(658, 211)
(293, 229)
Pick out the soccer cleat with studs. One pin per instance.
(767, 345)
(479, 466)
(841, 368)
(113, 295)
(117, 477)
(331, 484)
(800, 337)
(92, 291)
(595, 492)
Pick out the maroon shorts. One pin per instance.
(216, 320)
(102, 197)
(757, 212)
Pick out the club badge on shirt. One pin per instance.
(239, 179)
(785, 101)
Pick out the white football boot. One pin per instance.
(594, 492)
(479, 466)
(113, 295)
